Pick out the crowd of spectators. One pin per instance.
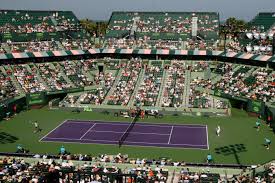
(74, 72)
(202, 99)
(147, 43)
(199, 99)
(36, 31)
(175, 23)
(49, 170)
(187, 176)
(77, 44)
(83, 168)
(33, 46)
(69, 100)
(224, 78)
(54, 79)
(35, 21)
(124, 89)
(142, 43)
(267, 175)
(254, 86)
(254, 41)
(107, 168)
(103, 81)
(95, 97)
(52, 45)
(7, 89)
(150, 86)
(27, 78)
(174, 86)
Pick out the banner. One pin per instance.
(36, 98)
(87, 109)
(255, 106)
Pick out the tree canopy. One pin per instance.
(97, 28)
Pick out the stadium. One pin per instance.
(151, 97)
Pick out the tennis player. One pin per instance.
(36, 127)
(209, 158)
(267, 143)
(218, 130)
(258, 124)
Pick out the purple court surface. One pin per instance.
(142, 134)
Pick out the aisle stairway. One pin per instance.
(162, 86)
(14, 80)
(60, 46)
(64, 76)
(39, 78)
(139, 81)
(113, 88)
(3, 70)
(186, 88)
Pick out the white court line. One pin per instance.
(207, 137)
(192, 145)
(130, 132)
(140, 124)
(129, 145)
(183, 126)
(81, 139)
(171, 132)
(53, 130)
(87, 131)
(156, 124)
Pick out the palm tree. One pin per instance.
(233, 27)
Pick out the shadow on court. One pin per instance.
(6, 138)
(234, 149)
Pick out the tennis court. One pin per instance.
(140, 134)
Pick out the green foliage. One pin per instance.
(233, 26)
(93, 27)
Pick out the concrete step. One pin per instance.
(186, 88)
(14, 80)
(163, 82)
(139, 81)
(3, 70)
(113, 88)
(39, 77)
(62, 72)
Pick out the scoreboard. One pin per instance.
(36, 98)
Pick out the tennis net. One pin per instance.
(126, 133)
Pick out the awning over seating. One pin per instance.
(231, 54)
(126, 51)
(163, 51)
(108, 50)
(59, 53)
(145, 51)
(181, 52)
(20, 55)
(217, 53)
(240, 55)
(40, 54)
(263, 58)
(77, 52)
(3, 56)
(245, 56)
